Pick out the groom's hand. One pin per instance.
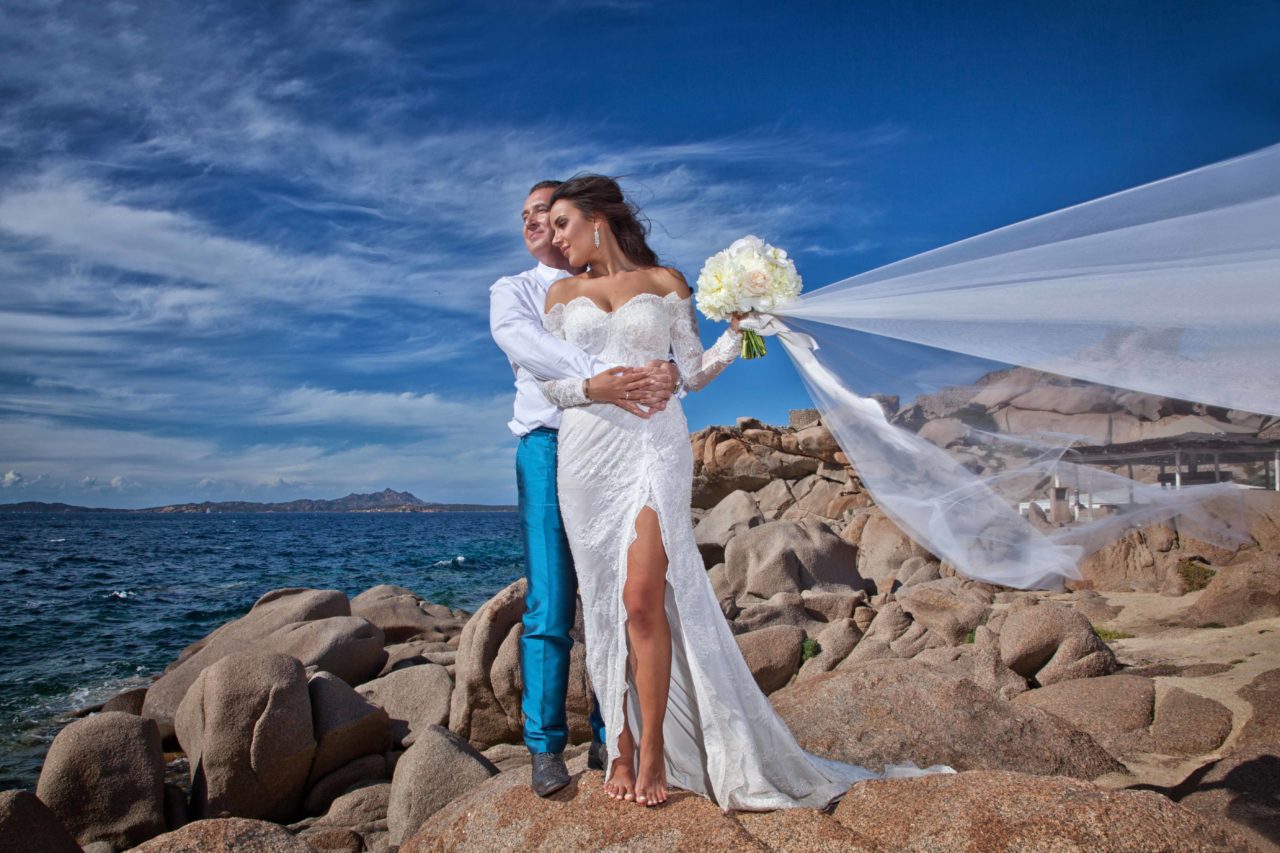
(627, 388)
(664, 376)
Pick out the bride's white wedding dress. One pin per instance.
(722, 737)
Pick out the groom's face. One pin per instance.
(536, 217)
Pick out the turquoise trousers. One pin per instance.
(549, 602)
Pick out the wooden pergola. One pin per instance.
(1186, 455)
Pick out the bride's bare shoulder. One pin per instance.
(670, 280)
(562, 290)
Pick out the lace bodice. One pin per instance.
(644, 328)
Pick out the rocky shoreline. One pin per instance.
(1136, 712)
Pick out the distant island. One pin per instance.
(386, 500)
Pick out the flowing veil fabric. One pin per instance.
(1171, 288)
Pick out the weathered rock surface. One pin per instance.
(272, 611)
(1239, 792)
(414, 697)
(1115, 710)
(1246, 590)
(104, 778)
(474, 711)
(1187, 724)
(789, 556)
(772, 654)
(882, 550)
(227, 835)
(1001, 811)
(899, 710)
(367, 768)
(246, 728)
(345, 724)
(485, 705)
(438, 768)
(946, 607)
(347, 646)
(713, 532)
(401, 615)
(835, 642)
(26, 824)
(1051, 643)
(130, 701)
(505, 814)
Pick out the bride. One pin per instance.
(680, 705)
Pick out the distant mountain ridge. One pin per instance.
(387, 500)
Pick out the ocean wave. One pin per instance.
(123, 594)
(456, 561)
(63, 539)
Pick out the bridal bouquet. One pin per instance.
(750, 275)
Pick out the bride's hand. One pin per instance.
(627, 388)
(734, 320)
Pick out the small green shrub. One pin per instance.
(809, 648)
(1195, 575)
(1109, 634)
(969, 635)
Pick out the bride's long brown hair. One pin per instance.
(596, 195)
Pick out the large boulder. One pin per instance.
(1240, 788)
(1115, 710)
(485, 706)
(772, 654)
(737, 511)
(835, 642)
(227, 835)
(891, 711)
(364, 770)
(439, 767)
(272, 611)
(345, 724)
(401, 615)
(1050, 643)
(505, 814)
(947, 607)
(474, 711)
(1002, 811)
(104, 778)
(1187, 724)
(28, 824)
(414, 698)
(347, 646)
(246, 728)
(788, 556)
(882, 549)
(1246, 590)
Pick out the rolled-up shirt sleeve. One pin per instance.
(516, 326)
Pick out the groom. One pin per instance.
(516, 306)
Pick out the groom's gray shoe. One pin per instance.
(549, 773)
(597, 755)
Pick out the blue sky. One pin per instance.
(245, 247)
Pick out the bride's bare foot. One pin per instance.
(621, 784)
(651, 780)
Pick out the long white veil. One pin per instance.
(1171, 288)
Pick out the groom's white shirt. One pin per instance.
(516, 305)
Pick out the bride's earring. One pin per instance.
(596, 239)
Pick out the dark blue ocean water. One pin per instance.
(96, 603)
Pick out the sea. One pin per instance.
(97, 603)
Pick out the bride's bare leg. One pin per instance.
(644, 596)
(621, 782)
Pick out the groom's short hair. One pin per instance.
(544, 185)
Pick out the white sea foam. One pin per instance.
(56, 540)
(456, 561)
(123, 593)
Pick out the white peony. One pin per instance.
(750, 275)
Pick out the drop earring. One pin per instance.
(596, 240)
